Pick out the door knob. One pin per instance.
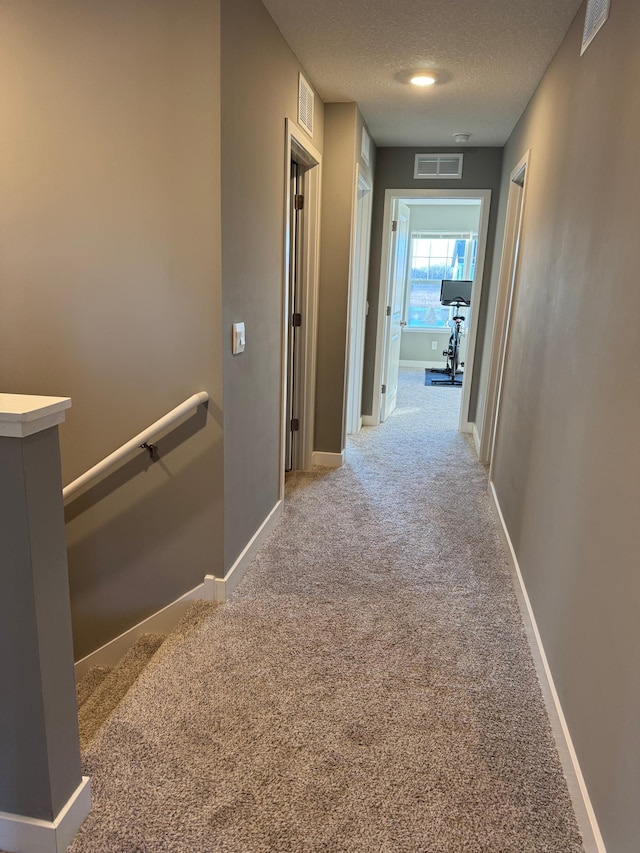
(403, 322)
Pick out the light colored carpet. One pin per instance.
(107, 693)
(90, 683)
(368, 688)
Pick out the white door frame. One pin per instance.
(299, 147)
(504, 304)
(389, 399)
(360, 246)
(485, 197)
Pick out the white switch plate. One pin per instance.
(434, 344)
(238, 338)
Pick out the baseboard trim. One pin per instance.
(426, 365)
(369, 420)
(22, 834)
(158, 623)
(220, 589)
(476, 438)
(328, 460)
(585, 815)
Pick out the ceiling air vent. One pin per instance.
(597, 14)
(305, 105)
(438, 166)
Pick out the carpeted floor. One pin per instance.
(368, 688)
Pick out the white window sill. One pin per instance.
(444, 330)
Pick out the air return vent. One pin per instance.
(305, 105)
(597, 14)
(438, 166)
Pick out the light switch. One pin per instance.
(238, 338)
(434, 344)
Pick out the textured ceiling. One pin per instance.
(489, 55)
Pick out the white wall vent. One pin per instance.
(597, 14)
(306, 99)
(438, 166)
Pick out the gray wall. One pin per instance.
(111, 257)
(342, 148)
(567, 466)
(343, 141)
(445, 217)
(110, 279)
(338, 174)
(416, 346)
(394, 170)
(260, 88)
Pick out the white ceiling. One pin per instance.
(489, 55)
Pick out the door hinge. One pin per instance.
(295, 424)
(298, 202)
(394, 225)
(388, 310)
(296, 319)
(384, 389)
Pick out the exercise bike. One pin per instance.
(455, 293)
(453, 354)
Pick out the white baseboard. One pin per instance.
(583, 808)
(427, 365)
(158, 623)
(369, 420)
(476, 438)
(165, 620)
(28, 835)
(328, 460)
(219, 589)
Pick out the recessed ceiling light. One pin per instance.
(423, 78)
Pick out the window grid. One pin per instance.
(434, 256)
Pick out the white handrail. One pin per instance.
(144, 437)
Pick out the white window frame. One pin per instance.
(435, 235)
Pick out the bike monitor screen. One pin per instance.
(454, 292)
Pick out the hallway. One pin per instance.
(368, 688)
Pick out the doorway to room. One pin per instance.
(358, 302)
(430, 236)
(300, 296)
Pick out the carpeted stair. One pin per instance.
(90, 682)
(102, 689)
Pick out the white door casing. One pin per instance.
(504, 303)
(396, 284)
(391, 196)
(298, 147)
(358, 301)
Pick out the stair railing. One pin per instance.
(142, 441)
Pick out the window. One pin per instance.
(434, 256)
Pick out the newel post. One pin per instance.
(43, 797)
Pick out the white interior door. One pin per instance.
(395, 290)
(292, 454)
(358, 311)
